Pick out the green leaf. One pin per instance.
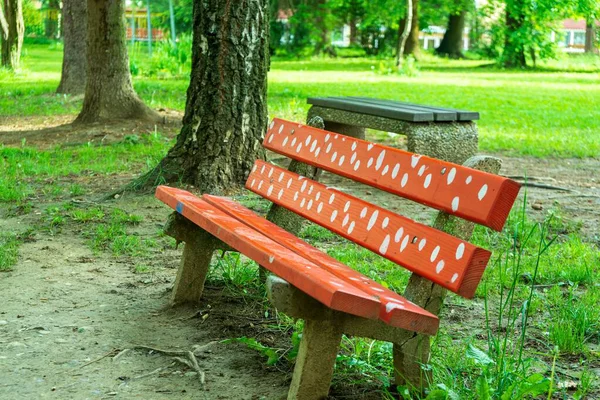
(483, 388)
(437, 394)
(479, 356)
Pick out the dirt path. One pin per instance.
(68, 311)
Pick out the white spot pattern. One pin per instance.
(427, 181)
(395, 171)
(482, 192)
(460, 251)
(372, 220)
(455, 202)
(451, 176)
(434, 253)
(384, 245)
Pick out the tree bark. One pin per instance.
(412, 46)
(404, 29)
(590, 37)
(226, 111)
(12, 29)
(452, 42)
(74, 66)
(514, 49)
(51, 25)
(354, 32)
(109, 93)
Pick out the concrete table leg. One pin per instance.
(354, 131)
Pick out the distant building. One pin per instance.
(137, 26)
(571, 38)
(431, 37)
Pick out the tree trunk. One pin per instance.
(12, 29)
(412, 46)
(452, 42)
(73, 77)
(590, 37)
(404, 29)
(323, 43)
(226, 111)
(514, 49)
(353, 32)
(109, 94)
(50, 23)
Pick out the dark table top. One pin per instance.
(394, 109)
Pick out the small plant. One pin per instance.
(236, 271)
(575, 320)
(272, 354)
(87, 215)
(9, 251)
(76, 190)
(141, 269)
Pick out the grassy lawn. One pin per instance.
(547, 112)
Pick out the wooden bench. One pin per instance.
(444, 133)
(332, 298)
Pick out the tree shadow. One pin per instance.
(40, 133)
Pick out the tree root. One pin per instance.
(186, 357)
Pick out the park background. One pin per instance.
(74, 266)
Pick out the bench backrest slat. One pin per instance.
(438, 256)
(468, 193)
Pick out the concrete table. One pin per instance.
(443, 133)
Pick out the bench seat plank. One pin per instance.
(439, 114)
(438, 256)
(395, 310)
(380, 110)
(300, 272)
(468, 193)
(461, 115)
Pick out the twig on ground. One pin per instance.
(200, 349)
(544, 186)
(185, 357)
(156, 371)
(120, 354)
(574, 195)
(99, 358)
(531, 178)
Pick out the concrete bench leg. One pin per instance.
(319, 347)
(197, 254)
(410, 355)
(408, 360)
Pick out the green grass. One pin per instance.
(550, 111)
(25, 171)
(546, 112)
(9, 251)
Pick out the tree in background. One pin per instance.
(109, 92)
(74, 65)
(11, 33)
(452, 42)
(408, 20)
(590, 11)
(226, 110)
(412, 46)
(527, 30)
(351, 13)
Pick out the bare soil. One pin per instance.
(68, 312)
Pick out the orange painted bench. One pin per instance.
(333, 298)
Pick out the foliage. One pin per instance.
(9, 250)
(32, 17)
(168, 60)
